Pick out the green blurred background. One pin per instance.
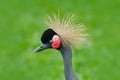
(21, 25)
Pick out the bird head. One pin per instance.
(62, 32)
(50, 39)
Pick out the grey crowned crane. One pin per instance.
(61, 34)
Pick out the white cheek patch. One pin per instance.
(55, 37)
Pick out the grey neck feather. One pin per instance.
(67, 57)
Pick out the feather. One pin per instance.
(70, 33)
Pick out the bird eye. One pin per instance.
(50, 41)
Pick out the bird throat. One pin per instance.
(66, 52)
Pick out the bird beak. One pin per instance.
(42, 47)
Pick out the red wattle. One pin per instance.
(56, 44)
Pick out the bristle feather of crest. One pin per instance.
(70, 33)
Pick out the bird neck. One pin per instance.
(66, 52)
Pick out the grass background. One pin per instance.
(21, 25)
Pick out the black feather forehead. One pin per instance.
(47, 35)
